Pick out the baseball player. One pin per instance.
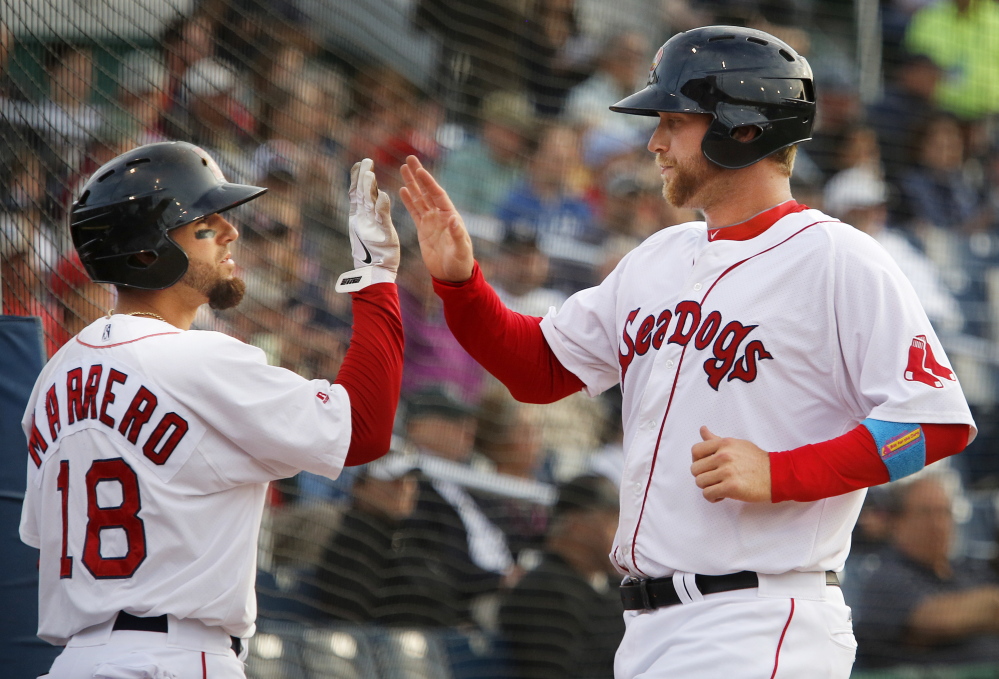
(150, 445)
(774, 363)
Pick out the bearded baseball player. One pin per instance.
(774, 363)
(151, 445)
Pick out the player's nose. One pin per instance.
(659, 141)
(227, 232)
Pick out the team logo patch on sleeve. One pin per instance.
(323, 396)
(923, 367)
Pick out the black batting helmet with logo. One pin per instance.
(741, 77)
(130, 205)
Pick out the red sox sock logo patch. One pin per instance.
(923, 367)
(724, 339)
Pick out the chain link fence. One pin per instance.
(506, 101)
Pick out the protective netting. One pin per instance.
(506, 101)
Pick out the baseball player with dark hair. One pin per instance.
(774, 363)
(151, 445)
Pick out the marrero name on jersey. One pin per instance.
(150, 445)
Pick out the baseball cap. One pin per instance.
(390, 467)
(509, 109)
(435, 401)
(142, 73)
(519, 235)
(585, 493)
(209, 77)
(857, 187)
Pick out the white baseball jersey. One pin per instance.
(149, 454)
(791, 337)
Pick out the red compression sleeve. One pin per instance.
(372, 371)
(849, 462)
(509, 345)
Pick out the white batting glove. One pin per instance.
(374, 242)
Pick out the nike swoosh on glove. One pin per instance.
(374, 242)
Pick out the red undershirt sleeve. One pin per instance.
(372, 371)
(849, 462)
(509, 345)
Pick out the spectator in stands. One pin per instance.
(480, 173)
(859, 197)
(520, 272)
(292, 130)
(564, 620)
(433, 356)
(480, 48)
(921, 607)
(217, 119)
(935, 191)
(388, 124)
(907, 105)
(137, 116)
(68, 119)
(368, 572)
(621, 69)
(557, 55)
(82, 300)
(841, 111)
(959, 35)
(449, 527)
(510, 439)
(186, 41)
(550, 202)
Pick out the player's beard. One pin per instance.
(689, 177)
(222, 293)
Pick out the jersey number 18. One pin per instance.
(124, 517)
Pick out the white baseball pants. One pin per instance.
(792, 626)
(190, 650)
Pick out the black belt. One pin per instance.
(638, 595)
(127, 621)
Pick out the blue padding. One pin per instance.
(901, 446)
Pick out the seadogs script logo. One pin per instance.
(688, 323)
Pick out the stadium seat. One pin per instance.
(409, 654)
(341, 651)
(274, 652)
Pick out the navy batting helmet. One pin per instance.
(130, 205)
(741, 77)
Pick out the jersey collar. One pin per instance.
(757, 224)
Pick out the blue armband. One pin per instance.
(901, 446)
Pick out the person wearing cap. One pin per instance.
(218, 122)
(906, 105)
(449, 526)
(368, 572)
(563, 620)
(520, 272)
(859, 196)
(485, 168)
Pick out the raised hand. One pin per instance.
(444, 241)
(374, 242)
(730, 468)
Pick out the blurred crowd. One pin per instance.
(466, 525)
